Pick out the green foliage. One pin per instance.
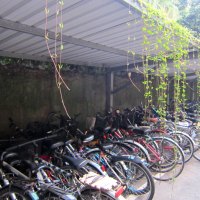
(172, 42)
(186, 12)
(33, 64)
(198, 87)
(190, 15)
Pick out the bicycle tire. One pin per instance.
(195, 134)
(172, 160)
(110, 195)
(143, 176)
(100, 195)
(185, 142)
(138, 150)
(5, 193)
(119, 148)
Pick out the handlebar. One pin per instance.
(56, 134)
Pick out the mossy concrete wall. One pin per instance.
(29, 95)
(129, 96)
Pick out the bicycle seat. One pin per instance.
(56, 145)
(130, 127)
(76, 163)
(11, 155)
(88, 138)
(107, 129)
(152, 119)
(141, 130)
(29, 164)
(138, 131)
(107, 146)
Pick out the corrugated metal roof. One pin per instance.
(101, 26)
(95, 31)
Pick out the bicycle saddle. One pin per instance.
(88, 138)
(107, 146)
(76, 163)
(56, 145)
(10, 156)
(85, 138)
(31, 165)
(107, 129)
(140, 130)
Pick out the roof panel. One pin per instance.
(91, 19)
(68, 6)
(98, 11)
(95, 32)
(5, 34)
(10, 6)
(29, 45)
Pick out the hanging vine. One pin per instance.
(147, 70)
(56, 53)
(129, 51)
(198, 89)
(172, 43)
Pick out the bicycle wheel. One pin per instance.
(13, 192)
(136, 176)
(169, 125)
(195, 134)
(119, 148)
(171, 162)
(51, 196)
(138, 150)
(185, 142)
(93, 194)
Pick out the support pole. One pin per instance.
(193, 91)
(109, 89)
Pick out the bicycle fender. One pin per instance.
(136, 159)
(91, 150)
(97, 167)
(140, 146)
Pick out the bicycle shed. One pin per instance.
(95, 34)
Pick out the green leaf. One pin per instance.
(46, 10)
(60, 66)
(150, 32)
(46, 36)
(61, 47)
(61, 25)
(61, 2)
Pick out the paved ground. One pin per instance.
(184, 187)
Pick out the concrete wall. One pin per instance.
(129, 96)
(28, 95)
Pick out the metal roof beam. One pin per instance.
(12, 9)
(69, 39)
(46, 59)
(130, 4)
(23, 56)
(191, 55)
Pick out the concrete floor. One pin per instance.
(184, 187)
